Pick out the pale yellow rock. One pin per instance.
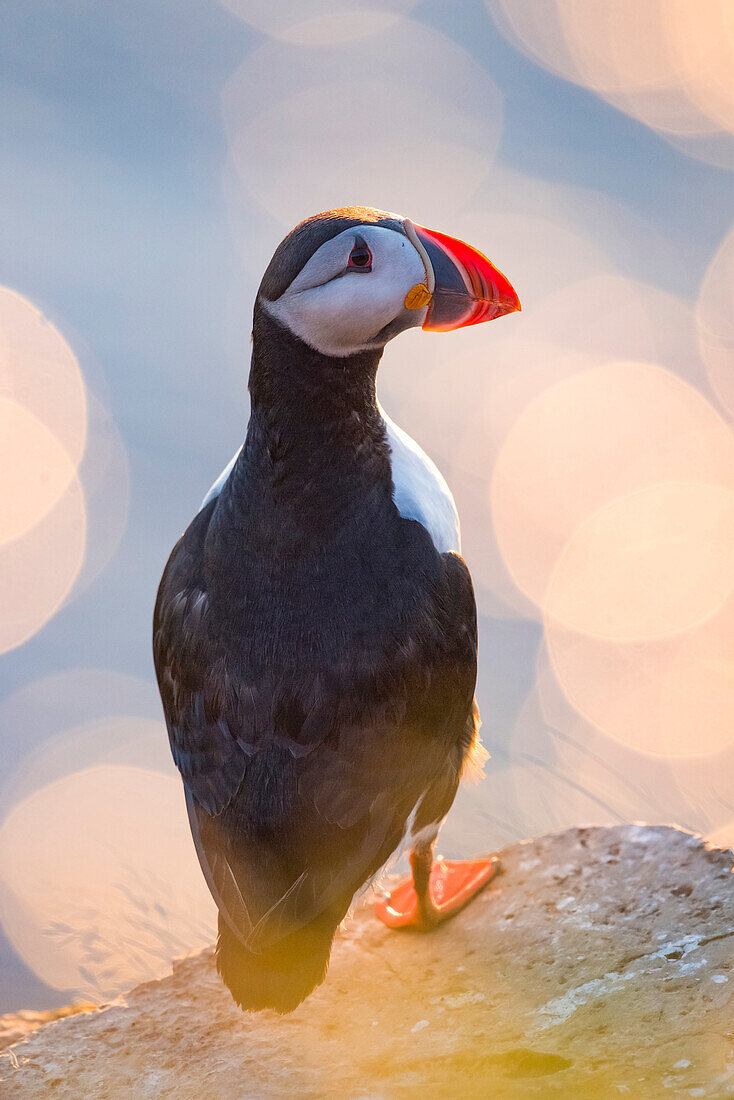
(601, 964)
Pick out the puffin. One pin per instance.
(315, 629)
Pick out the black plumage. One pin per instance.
(316, 658)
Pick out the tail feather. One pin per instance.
(283, 974)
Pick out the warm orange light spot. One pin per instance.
(38, 570)
(432, 166)
(520, 798)
(666, 62)
(669, 698)
(105, 475)
(715, 318)
(647, 565)
(702, 40)
(316, 23)
(697, 689)
(36, 470)
(723, 837)
(101, 888)
(39, 371)
(590, 439)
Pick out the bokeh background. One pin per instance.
(155, 152)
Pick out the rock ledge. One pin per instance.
(600, 964)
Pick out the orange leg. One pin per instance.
(435, 891)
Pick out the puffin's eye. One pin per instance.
(360, 258)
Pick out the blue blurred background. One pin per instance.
(154, 153)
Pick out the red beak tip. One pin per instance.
(488, 293)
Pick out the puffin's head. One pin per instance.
(349, 280)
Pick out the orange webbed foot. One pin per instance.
(453, 883)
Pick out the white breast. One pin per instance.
(419, 489)
(219, 483)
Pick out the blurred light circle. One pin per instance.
(647, 565)
(519, 798)
(610, 317)
(495, 592)
(715, 318)
(105, 476)
(593, 437)
(667, 63)
(619, 45)
(615, 687)
(565, 748)
(38, 571)
(723, 837)
(289, 180)
(120, 739)
(36, 470)
(697, 688)
(534, 27)
(633, 786)
(611, 46)
(673, 697)
(707, 783)
(716, 149)
(100, 887)
(79, 717)
(363, 125)
(66, 698)
(691, 791)
(317, 22)
(538, 254)
(703, 41)
(39, 371)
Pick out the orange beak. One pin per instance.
(467, 289)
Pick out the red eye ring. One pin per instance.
(360, 258)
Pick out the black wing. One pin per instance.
(299, 784)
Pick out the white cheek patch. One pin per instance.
(339, 312)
